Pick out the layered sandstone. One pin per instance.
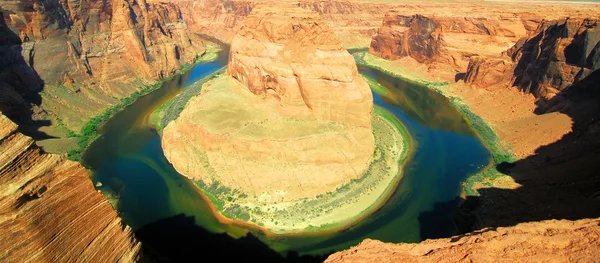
(297, 120)
(89, 54)
(50, 211)
(443, 43)
(561, 241)
(302, 64)
(545, 63)
(445, 37)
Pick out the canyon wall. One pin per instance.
(50, 211)
(445, 44)
(89, 54)
(353, 22)
(545, 63)
(445, 38)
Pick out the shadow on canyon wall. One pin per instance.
(20, 85)
(560, 181)
(179, 239)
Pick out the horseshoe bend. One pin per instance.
(288, 137)
(299, 131)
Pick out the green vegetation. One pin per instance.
(90, 131)
(491, 141)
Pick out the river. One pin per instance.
(129, 167)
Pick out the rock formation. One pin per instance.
(303, 65)
(416, 36)
(533, 242)
(308, 109)
(50, 211)
(445, 38)
(106, 49)
(558, 54)
(545, 63)
(292, 120)
(444, 43)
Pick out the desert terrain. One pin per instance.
(523, 73)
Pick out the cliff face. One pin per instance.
(444, 43)
(218, 18)
(353, 22)
(532, 242)
(50, 211)
(416, 36)
(555, 56)
(558, 54)
(89, 54)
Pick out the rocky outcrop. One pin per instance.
(303, 65)
(488, 72)
(50, 211)
(416, 36)
(90, 54)
(556, 55)
(353, 22)
(554, 240)
(299, 76)
(291, 121)
(218, 18)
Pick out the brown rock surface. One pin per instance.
(50, 211)
(302, 64)
(556, 55)
(90, 54)
(547, 241)
(464, 30)
(417, 36)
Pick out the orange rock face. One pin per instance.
(300, 62)
(97, 51)
(417, 36)
(50, 211)
(444, 43)
(554, 240)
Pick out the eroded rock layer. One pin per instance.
(91, 53)
(554, 240)
(50, 211)
(293, 122)
(296, 58)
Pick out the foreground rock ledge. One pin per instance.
(546, 241)
(290, 124)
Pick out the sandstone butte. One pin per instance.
(50, 211)
(294, 121)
